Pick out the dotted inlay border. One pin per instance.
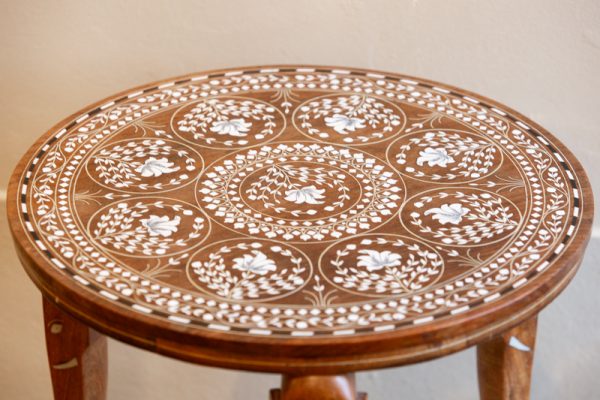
(261, 332)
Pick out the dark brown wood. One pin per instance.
(504, 363)
(307, 221)
(77, 356)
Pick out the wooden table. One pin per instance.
(307, 221)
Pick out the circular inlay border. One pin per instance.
(381, 189)
(466, 216)
(569, 233)
(452, 156)
(231, 117)
(385, 265)
(118, 165)
(141, 227)
(252, 276)
(346, 116)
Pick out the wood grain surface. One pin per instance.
(300, 219)
(504, 363)
(77, 356)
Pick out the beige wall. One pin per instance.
(541, 57)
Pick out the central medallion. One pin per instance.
(300, 192)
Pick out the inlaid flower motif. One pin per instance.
(374, 260)
(343, 124)
(309, 195)
(163, 226)
(235, 127)
(451, 213)
(434, 157)
(155, 168)
(291, 182)
(257, 262)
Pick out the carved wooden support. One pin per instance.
(77, 356)
(504, 363)
(322, 387)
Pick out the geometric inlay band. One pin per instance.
(299, 201)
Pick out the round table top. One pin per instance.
(293, 217)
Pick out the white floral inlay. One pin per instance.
(541, 169)
(127, 164)
(356, 118)
(257, 262)
(163, 226)
(451, 213)
(343, 124)
(381, 265)
(309, 195)
(235, 127)
(155, 168)
(463, 155)
(374, 260)
(434, 157)
(328, 167)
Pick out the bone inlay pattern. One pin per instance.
(299, 201)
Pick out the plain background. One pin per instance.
(540, 57)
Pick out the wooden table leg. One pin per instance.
(504, 363)
(77, 356)
(321, 387)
